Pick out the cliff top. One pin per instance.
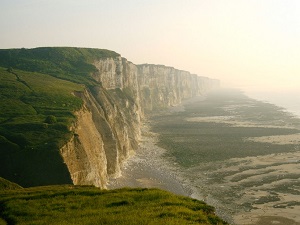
(69, 63)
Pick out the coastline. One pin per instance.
(150, 167)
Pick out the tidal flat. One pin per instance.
(236, 153)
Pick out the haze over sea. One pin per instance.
(290, 100)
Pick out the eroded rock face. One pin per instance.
(84, 154)
(108, 125)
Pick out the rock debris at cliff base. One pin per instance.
(148, 169)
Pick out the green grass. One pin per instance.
(89, 205)
(25, 106)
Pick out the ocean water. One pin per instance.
(239, 154)
(290, 100)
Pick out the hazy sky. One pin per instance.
(246, 43)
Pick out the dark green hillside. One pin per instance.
(29, 139)
(73, 64)
(89, 205)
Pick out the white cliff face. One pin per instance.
(162, 86)
(108, 126)
(84, 154)
(109, 72)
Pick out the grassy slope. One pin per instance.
(27, 99)
(89, 205)
(35, 84)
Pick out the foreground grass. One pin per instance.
(89, 205)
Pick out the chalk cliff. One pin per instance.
(108, 125)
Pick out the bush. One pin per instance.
(50, 119)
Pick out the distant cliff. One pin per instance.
(115, 97)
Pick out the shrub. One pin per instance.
(50, 119)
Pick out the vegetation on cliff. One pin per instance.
(37, 92)
(89, 205)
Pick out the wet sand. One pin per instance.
(260, 190)
(266, 188)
